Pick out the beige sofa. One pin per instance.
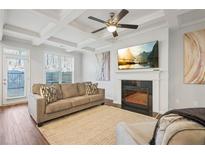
(182, 132)
(71, 98)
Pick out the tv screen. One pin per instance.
(139, 57)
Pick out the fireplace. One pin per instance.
(137, 96)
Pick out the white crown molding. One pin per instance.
(192, 23)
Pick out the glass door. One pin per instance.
(14, 78)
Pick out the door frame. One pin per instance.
(5, 56)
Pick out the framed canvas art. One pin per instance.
(194, 57)
(139, 57)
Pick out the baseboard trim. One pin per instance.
(14, 104)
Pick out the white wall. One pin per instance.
(113, 86)
(37, 61)
(180, 94)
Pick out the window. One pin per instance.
(59, 69)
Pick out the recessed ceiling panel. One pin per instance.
(26, 19)
(88, 25)
(71, 34)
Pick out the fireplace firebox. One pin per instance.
(137, 96)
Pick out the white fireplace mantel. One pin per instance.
(159, 105)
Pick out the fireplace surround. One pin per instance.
(137, 96)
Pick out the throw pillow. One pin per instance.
(58, 91)
(91, 89)
(49, 93)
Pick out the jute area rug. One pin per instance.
(96, 125)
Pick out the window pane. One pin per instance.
(52, 63)
(58, 69)
(66, 77)
(15, 78)
(66, 67)
(52, 77)
(66, 64)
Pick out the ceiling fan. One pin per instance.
(113, 23)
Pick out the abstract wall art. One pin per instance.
(103, 66)
(194, 57)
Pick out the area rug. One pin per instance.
(91, 126)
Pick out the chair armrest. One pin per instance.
(36, 106)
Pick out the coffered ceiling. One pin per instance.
(71, 29)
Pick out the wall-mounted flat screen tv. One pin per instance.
(139, 57)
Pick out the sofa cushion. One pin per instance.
(80, 100)
(96, 97)
(49, 93)
(36, 88)
(59, 105)
(58, 91)
(69, 90)
(91, 89)
(81, 88)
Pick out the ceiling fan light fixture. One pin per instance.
(111, 28)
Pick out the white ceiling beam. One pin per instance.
(17, 32)
(65, 19)
(68, 46)
(20, 30)
(60, 41)
(64, 14)
(2, 21)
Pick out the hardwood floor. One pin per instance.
(17, 127)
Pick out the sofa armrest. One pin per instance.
(101, 91)
(184, 132)
(36, 106)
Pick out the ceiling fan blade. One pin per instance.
(115, 34)
(127, 26)
(122, 13)
(99, 29)
(96, 19)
